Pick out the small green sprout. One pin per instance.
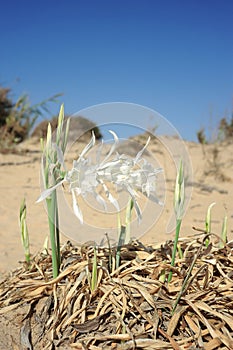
(208, 223)
(121, 242)
(24, 231)
(179, 198)
(45, 248)
(92, 271)
(223, 233)
(124, 231)
(128, 219)
(94, 275)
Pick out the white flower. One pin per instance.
(128, 174)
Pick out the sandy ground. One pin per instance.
(212, 182)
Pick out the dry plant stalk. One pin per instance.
(129, 307)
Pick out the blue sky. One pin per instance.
(173, 56)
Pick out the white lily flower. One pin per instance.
(128, 174)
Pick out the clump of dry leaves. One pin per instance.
(131, 307)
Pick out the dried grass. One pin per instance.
(131, 308)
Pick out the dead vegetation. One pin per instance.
(131, 307)
(215, 167)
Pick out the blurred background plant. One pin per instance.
(222, 132)
(17, 119)
(226, 128)
(20, 120)
(212, 142)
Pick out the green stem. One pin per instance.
(118, 257)
(54, 232)
(223, 233)
(178, 224)
(121, 241)
(128, 219)
(57, 235)
(28, 258)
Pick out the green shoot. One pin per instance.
(45, 246)
(128, 218)
(208, 223)
(54, 232)
(179, 208)
(223, 233)
(94, 276)
(51, 169)
(24, 231)
(121, 242)
(124, 231)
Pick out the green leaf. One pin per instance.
(60, 125)
(224, 233)
(24, 231)
(179, 195)
(208, 218)
(208, 222)
(128, 219)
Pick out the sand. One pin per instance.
(212, 182)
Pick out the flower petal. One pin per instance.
(110, 196)
(46, 193)
(136, 206)
(154, 199)
(138, 210)
(88, 146)
(100, 200)
(76, 209)
(116, 141)
(138, 156)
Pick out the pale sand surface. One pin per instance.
(19, 177)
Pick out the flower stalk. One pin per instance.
(54, 232)
(24, 231)
(94, 275)
(128, 219)
(52, 163)
(124, 231)
(179, 198)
